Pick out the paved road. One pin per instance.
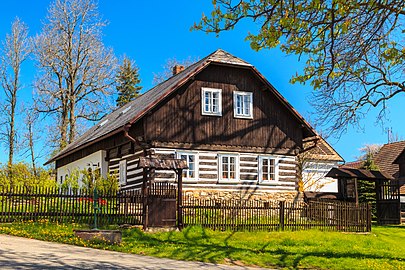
(22, 253)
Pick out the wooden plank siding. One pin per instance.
(208, 168)
(179, 119)
(134, 173)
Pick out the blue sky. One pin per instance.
(150, 32)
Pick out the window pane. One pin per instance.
(207, 101)
(238, 104)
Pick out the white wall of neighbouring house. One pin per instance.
(94, 161)
(314, 178)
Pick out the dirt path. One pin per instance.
(22, 253)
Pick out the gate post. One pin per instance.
(368, 228)
(145, 199)
(281, 214)
(180, 198)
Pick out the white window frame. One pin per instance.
(196, 162)
(237, 168)
(235, 103)
(260, 169)
(122, 177)
(210, 111)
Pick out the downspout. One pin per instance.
(132, 139)
(145, 178)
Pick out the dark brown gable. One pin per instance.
(179, 118)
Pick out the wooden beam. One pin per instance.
(356, 194)
(180, 198)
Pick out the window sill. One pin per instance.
(268, 182)
(211, 114)
(243, 117)
(190, 180)
(224, 181)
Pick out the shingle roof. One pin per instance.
(358, 164)
(320, 149)
(385, 158)
(134, 110)
(358, 173)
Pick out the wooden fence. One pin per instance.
(258, 215)
(126, 207)
(80, 206)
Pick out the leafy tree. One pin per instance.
(87, 180)
(354, 50)
(75, 69)
(22, 175)
(127, 82)
(366, 189)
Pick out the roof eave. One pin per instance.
(55, 158)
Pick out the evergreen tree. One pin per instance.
(366, 189)
(127, 82)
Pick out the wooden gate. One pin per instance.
(388, 202)
(162, 205)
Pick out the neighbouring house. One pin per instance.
(390, 159)
(390, 184)
(239, 136)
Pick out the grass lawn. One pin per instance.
(384, 248)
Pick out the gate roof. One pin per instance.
(358, 173)
(162, 164)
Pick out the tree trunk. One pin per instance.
(72, 120)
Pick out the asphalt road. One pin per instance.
(22, 253)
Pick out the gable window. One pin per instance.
(228, 167)
(191, 159)
(268, 169)
(123, 172)
(211, 101)
(243, 104)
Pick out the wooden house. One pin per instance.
(389, 181)
(239, 136)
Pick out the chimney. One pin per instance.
(177, 69)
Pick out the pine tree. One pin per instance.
(366, 189)
(127, 82)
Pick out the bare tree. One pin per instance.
(368, 151)
(168, 68)
(76, 69)
(15, 51)
(31, 137)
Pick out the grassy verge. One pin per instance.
(384, 248)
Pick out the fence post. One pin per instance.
(368, 226)
(281, 214)
(180, 199)
(145, 199)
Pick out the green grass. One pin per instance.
(384, 248)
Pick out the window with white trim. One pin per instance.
(228, 167)
(268, 170)
(123, 172)
(211, 101)
(243, 104)
(192, 161)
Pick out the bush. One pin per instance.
(23, 175)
